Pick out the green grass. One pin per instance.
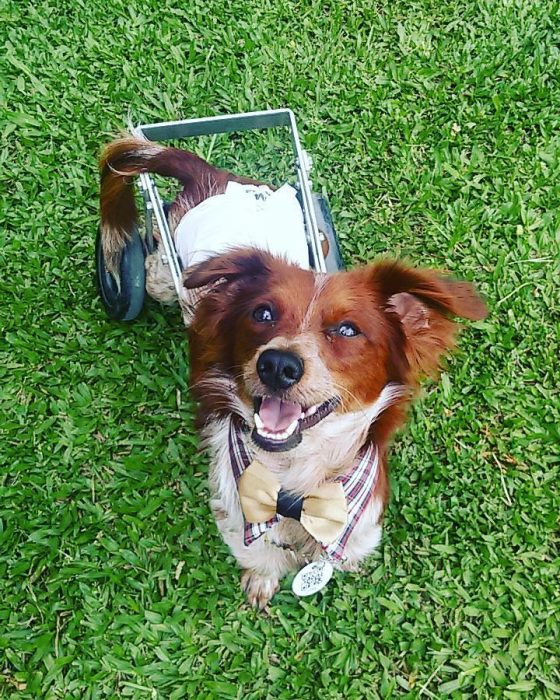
(435, 131)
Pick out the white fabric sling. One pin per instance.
(245, 215)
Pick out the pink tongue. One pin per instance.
(277, 415)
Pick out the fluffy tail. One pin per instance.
(127, 157)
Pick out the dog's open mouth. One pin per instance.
(279, 424)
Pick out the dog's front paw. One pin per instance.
(353, 567)
(259, 589)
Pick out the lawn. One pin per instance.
(435, 131)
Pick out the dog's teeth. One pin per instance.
(258, 422)
(290, 429)
(284, 435)
(265, 433)
(311, 411)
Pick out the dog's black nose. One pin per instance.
(279, 369)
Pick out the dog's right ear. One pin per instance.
(249, 263)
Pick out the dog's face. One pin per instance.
(301, 346)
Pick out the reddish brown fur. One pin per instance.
(392, 347)
(125, 158)
(403, 315)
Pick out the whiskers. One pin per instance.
(219, 393)
(344, 394)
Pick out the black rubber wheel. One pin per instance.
(124, 302)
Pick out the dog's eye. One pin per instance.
(347, 330)
(263, 314)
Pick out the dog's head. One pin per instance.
(300, 346)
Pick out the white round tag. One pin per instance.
(312, 578)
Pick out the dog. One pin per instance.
(301, 378)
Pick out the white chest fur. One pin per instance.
(327, 449)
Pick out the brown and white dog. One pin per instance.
(300, 370)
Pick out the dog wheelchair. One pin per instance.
(123, 298)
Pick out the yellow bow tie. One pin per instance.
(323, 512)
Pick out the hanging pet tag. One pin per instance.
(312, 578)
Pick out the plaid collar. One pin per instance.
(358, 485)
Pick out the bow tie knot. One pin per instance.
(323, 512)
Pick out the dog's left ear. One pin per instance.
(222, 269)
(423, 301)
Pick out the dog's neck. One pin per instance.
(329, 448)
(326, 450)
